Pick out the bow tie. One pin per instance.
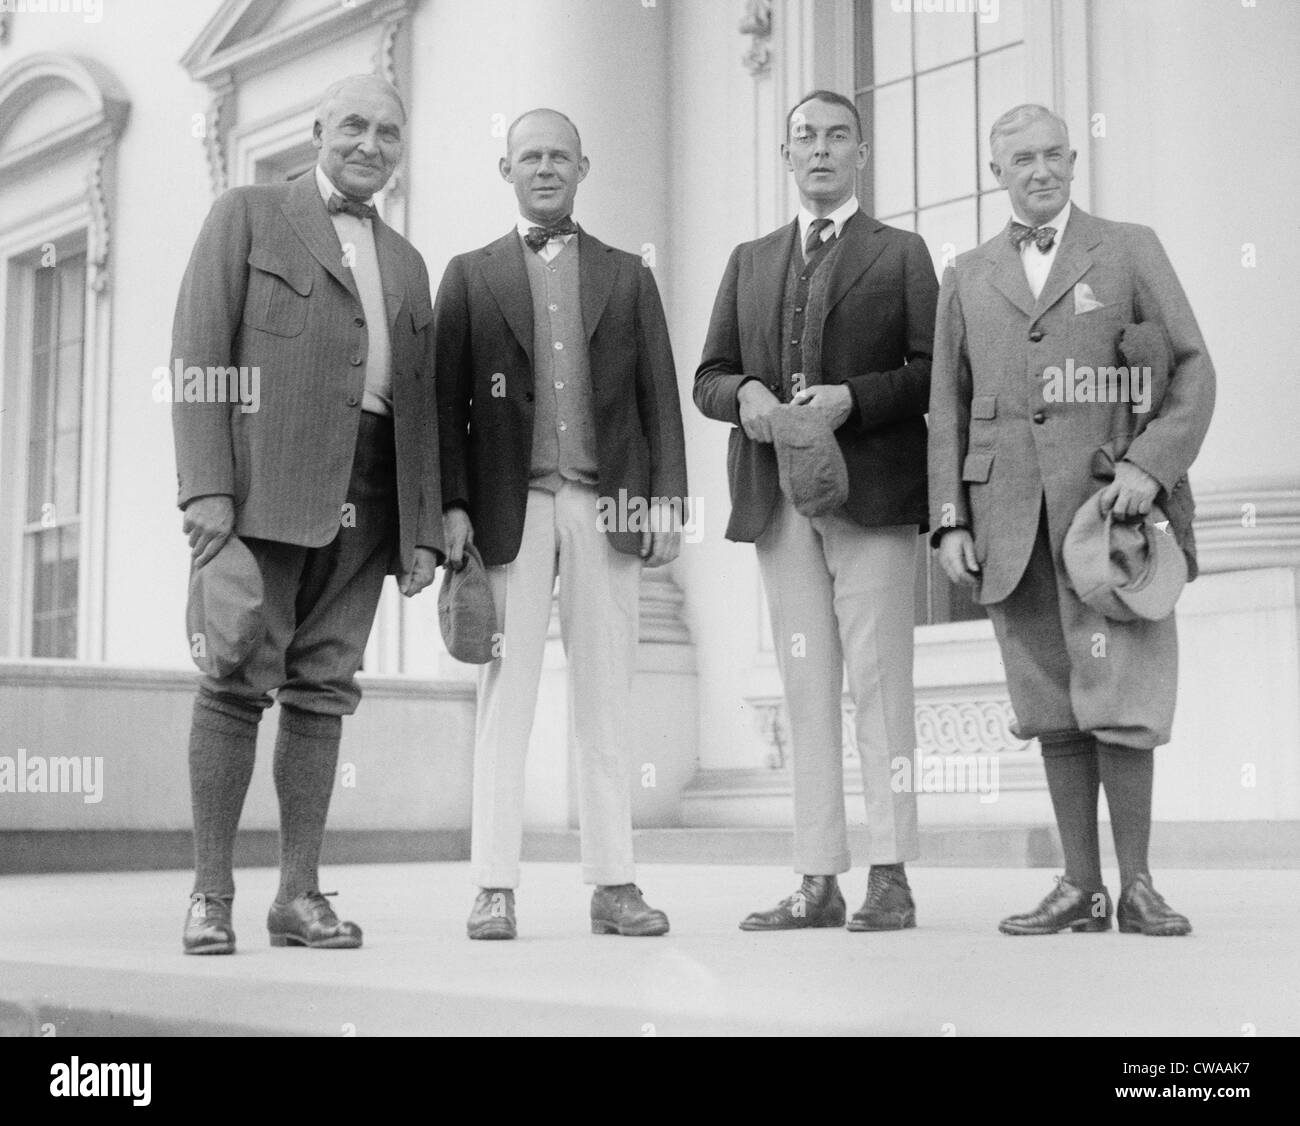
(341, 203)
(1043, 236)
(538, 237)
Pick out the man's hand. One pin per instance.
(957, 557)
(834, 400)
(411, 582)
(662, 541)
(209, 522)
(756, 406)
(457, 531)
(1131, 494)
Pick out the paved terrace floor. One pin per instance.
(100, 953)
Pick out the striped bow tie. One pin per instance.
(1043, 236)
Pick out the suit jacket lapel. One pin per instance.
(507, 278)
(771, 264)
(1073, 259)
(390, 270)
(306, 213)
(596, 269)
(855, 257)
(1008, 273)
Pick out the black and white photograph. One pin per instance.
(810, 487)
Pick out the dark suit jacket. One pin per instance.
(876, 339)
(266, 286)
(998, 447)
(483, 328)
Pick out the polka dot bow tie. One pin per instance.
(1043, 236)
(538, 237)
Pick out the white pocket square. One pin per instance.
(1084, 301)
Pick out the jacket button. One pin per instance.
(1036, 335)
(357, 361)
(529, 396)
(1040, 417)
(360, 322)
(352, 400)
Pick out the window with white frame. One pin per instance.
(928, 85)
(52, 438)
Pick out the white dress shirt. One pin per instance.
(553, 246)
(838, 218)
(357, 238)
(1037, 264)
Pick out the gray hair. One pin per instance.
(1019, 116)
(374, 81)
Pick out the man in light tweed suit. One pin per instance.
(332, 482)
(1012, 461)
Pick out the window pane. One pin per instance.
(1002, 86)
(889, 117)
(891, 42)
(54, 593)
(67, 481)
(948, 230)
(44, 297)
(1009, 27)
(942, 37)
(945, 117)
(72, 297)
(38, 435)
(904, 222)
(995, 210)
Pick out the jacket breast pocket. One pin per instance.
(977, 468)
(984, 407)
(277, 293)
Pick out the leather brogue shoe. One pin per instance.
(309, 920)
(889, 905)
(493, 915)
(1143, 910)
(207, 925)
(620, 909)
(817, 903)
(1065, 907)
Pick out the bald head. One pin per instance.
(544, 164)
(554, 116)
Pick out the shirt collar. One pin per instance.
(838, 218)
(326, 186)
(1057, 221)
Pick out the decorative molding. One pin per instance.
(758, 25)
(1247, 524)
(214, 135)
(99, 234)
(211, 56)
(104, 118)
(943, 727)
(385, 65)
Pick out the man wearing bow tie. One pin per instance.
(557, 391)
(1010, 466)
(834, 313)
(332, 482)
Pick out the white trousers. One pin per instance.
(599, 590)
(839, 596)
